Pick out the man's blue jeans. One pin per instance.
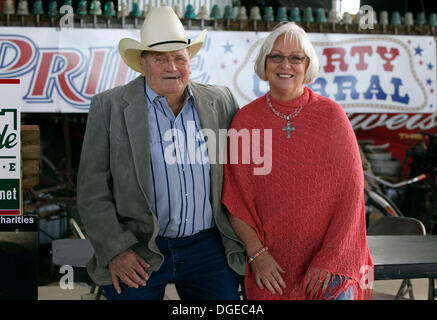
(195, 264)
(345, 295)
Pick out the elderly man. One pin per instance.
(150, 206)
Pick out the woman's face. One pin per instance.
(286, 78)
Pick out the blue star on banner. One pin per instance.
(418, 50)
(430, 66)
(228, 47)
(429, 81)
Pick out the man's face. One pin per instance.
(167, 73)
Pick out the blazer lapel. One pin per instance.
(136, 118)
(209, 120)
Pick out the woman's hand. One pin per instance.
(313, 284)
(266, 269)
(268, 273)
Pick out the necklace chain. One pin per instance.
(281, 115)
(287, 117)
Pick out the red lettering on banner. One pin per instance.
(371, 121)
(17, 55)
(95, 72)
(73, 61)
(25, 52)
(337, 54)
(42, 74)
(46, 74)
(361, 50)
(121, 76)
(382, 51)
(402, 131)
(329, 53)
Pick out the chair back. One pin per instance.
(396, 226)
(76, 229)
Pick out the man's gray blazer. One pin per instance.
(114, 180)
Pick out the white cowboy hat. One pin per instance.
(162, 31)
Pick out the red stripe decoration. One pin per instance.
(9, 81)
(9, 212)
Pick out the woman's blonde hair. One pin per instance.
(290, 30)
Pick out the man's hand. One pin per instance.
(268, 273)
(129, 267)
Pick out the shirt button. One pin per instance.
(187, 194)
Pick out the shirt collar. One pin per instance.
(152, 95)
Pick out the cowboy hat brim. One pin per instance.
(130, 49)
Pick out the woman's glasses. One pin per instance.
(293, 59)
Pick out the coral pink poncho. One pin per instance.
(309, 210)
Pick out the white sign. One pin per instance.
(10, 147)
(62, 70)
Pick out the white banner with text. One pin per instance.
(61, 70)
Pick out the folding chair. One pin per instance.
(432, 292)
(92, 295)
(386, 226)
(76, 253)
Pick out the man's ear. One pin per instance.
(142, 62)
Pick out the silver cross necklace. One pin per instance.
(287, 117)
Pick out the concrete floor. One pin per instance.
(384, 290)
